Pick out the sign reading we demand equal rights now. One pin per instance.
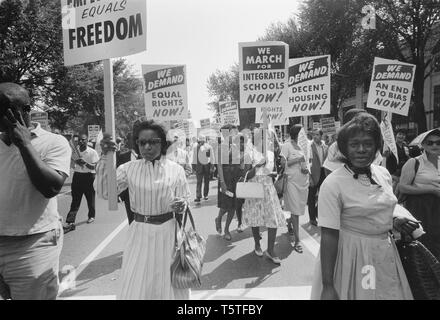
(165, 92)
(97, 30)
(263, 74)
(309, 86)
(391, 86)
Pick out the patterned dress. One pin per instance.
(265, 212)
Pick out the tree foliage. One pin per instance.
(406, 30)
(31, 54)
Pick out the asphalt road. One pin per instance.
(91, 258)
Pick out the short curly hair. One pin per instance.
(154, 126)
(361, 123)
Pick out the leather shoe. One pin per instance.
(275, 260)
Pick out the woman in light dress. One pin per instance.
(358, 258)
(158, 189)
(265, 212)
(423, 189)
(297, 189)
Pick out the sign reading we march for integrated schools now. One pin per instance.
(263, 74)
(309, 86)
(391, 86)
(229, 113)
(98, 30)
(165, 92)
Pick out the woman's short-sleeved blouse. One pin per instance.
(346, 203)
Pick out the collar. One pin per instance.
(159, 160)
(36, 130)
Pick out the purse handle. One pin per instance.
(185, 218)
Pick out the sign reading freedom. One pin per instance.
(98, 30)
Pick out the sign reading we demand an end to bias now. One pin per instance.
(263, 74)
(165, 92)
(96, 30)
(391, 86)
(309, 86)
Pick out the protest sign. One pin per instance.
(328, 125)
(391, 86)
(316, 125)
(263, 74)
(93, 131)
(205, 123)
(41, 117)
(229, 113)
(388, 137)
(98, 30)
(275, 115)
(309, 86)
(165, 92)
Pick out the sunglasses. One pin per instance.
(431, 143)
(151, 142)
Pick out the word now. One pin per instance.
(269, 97)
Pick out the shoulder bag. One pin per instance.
(249, 190)
(186, 269)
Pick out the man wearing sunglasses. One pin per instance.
(34, 164)
(82, 183)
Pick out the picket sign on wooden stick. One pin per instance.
(265, 129)
(109, 106)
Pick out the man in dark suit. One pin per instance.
(203, 154)
(317, 175)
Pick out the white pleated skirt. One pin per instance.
(146, 263)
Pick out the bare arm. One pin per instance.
(45, 179)
(329, 251)
(406, 179)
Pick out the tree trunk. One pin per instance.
(419, 87)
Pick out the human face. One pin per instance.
(83, 141)
(149, 144)
(317, 137)
(432, 145)
(400, 138)
(361, 150)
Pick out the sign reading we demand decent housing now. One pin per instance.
(309, 86)
(263, 74)
(391, 86)
(96, 30)
(165, 92)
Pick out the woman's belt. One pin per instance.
(156, 219)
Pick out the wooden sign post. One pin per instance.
(109, 106)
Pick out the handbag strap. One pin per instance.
(185, 218)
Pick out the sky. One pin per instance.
(204, 35)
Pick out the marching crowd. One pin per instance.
(351, 188)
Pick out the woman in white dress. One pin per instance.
(266, 212)
(158, 192)
(358, 258)
(297, 189)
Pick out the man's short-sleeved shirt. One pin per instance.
(91, 157)
(23, 209)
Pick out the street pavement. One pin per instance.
(91, 258)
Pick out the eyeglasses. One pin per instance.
(431, 143)
(151, 142)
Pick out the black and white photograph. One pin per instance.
(231, 151)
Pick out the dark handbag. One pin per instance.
(421, 268)
(186, 269)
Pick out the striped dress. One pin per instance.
(149, 248)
